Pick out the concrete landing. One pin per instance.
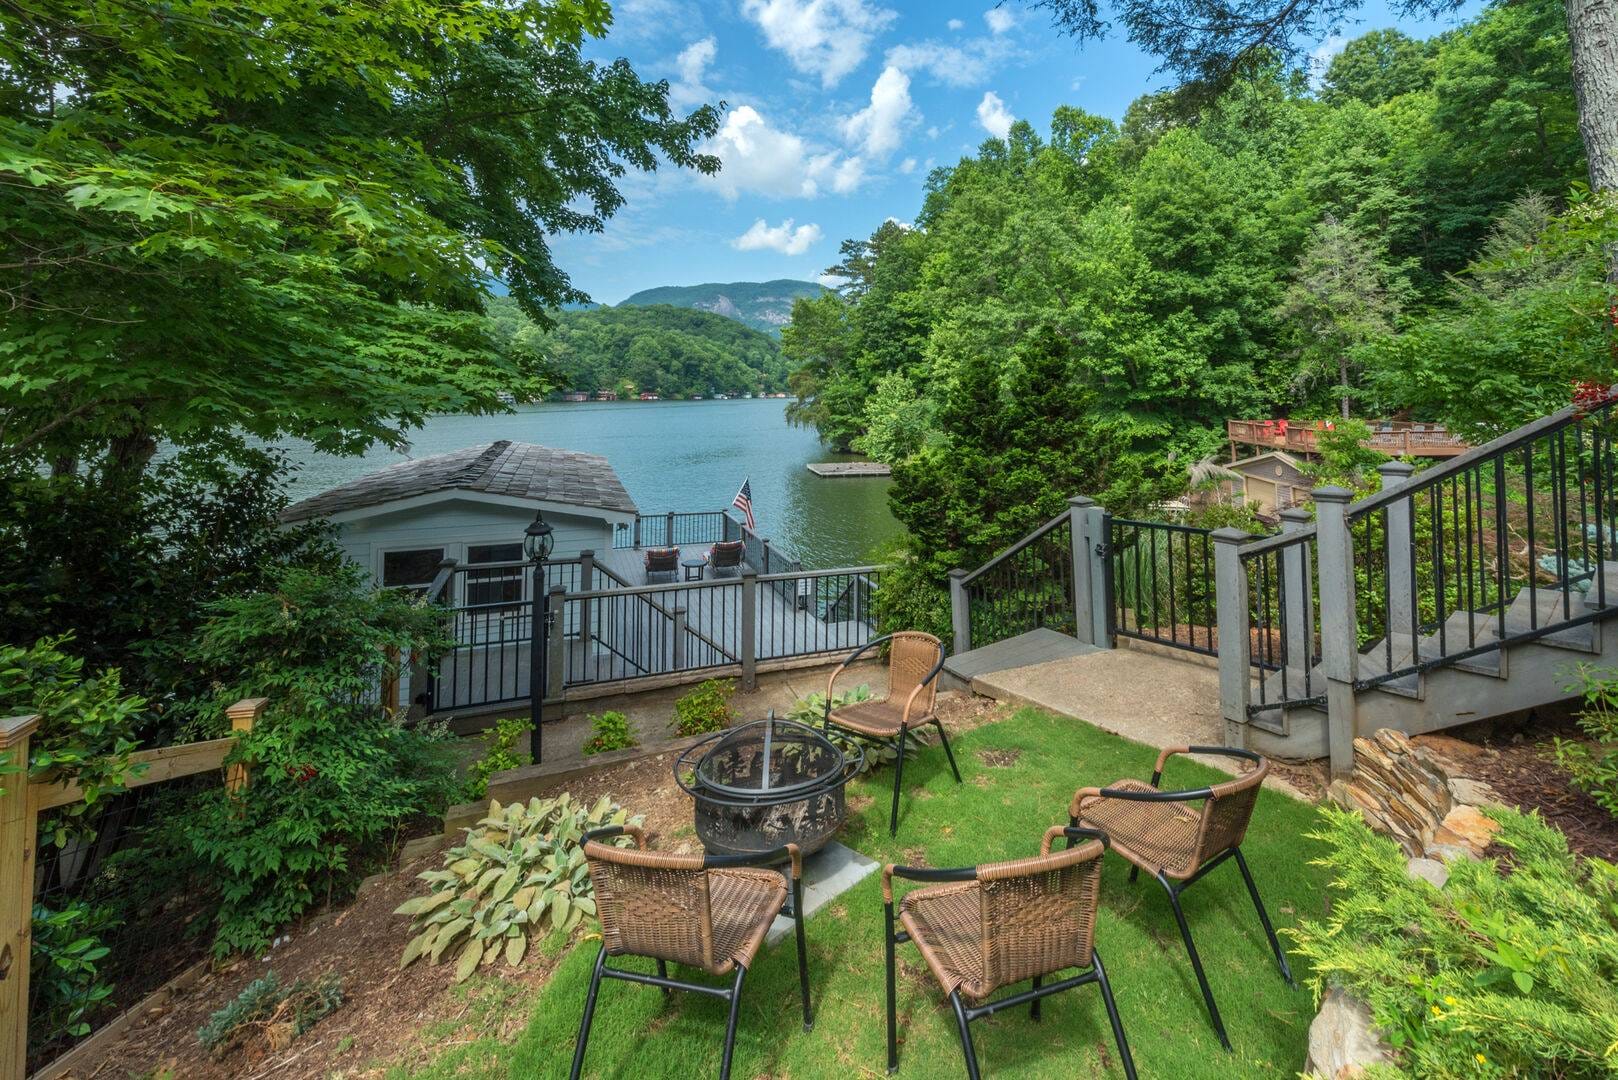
(827, 874)
(1035, 647)
(1141, 696)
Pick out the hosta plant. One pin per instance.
(521, 872)
(811, 710)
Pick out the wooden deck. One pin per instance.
(1397, 438)
(835, 469)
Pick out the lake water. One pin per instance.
(674, 455)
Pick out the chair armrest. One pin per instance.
(1188, 795)
(931, 675)
(611, 831)
(1072, 832)
(922, 873)
(758, 858)
(1221, 751)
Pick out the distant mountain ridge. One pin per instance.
(762, 305)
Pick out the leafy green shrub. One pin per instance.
(521, 869)
(811, 710)
(1594, 769)
(63, 971)
(294, 1010)
(334, 779)
(501, 755)
(86, 729)
(705, 708)
(1507, 971)
(609, 731)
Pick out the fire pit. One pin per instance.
(764, 784)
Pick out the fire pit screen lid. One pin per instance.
(767, 760)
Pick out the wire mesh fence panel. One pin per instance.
(116, 913)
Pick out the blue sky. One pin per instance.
(836, 110)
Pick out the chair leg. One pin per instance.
(663, 973)
(1033, 1007)
(589, 1015)
(966, 1035)
(803, 955)
(1264, 917)
(898, 780)
(893, 1041)
(1112, 1016)
(730, 1025)
(1134, 873)
(943, 737)
(1196, 961)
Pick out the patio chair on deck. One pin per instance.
(914, 661)
(708, 912)
(726, 555)
(662, 561)
(1178, 844)
(987, 927)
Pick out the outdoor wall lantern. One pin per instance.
(537, 539)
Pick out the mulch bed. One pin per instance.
(1518, 765)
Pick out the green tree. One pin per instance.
(1377, 67)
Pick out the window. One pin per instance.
(413, 570)
(501, 585)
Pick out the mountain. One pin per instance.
(763, 305)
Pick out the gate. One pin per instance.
(1160, 584)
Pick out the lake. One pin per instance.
(674, 455)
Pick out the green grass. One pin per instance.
(998, 813)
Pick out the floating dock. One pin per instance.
(837, 469)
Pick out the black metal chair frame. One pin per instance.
(896, 744)
(1174, 889)
(731, 993)
(965, 1014)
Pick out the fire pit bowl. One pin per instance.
(758, 786)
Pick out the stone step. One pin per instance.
(1024, 650)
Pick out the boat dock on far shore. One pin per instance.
(836, 469)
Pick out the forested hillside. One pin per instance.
(763, 305)
(670, 351)
(1080, 311)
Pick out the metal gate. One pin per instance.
(1160, 584)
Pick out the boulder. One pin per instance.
(1472, 792)
(1342, 1039)
(1448, 853)
(1429, 870)
(1469, 824)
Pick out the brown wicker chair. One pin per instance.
(987, 927)
(914, 661)
(662, 561)
(708, 912)
(726, 555)
(1178, 844)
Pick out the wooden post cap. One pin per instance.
(247, 708)
(14, 729)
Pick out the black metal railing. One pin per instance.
(1025, 587)
(672, 529)
(1510, 542)
(812, 612)
(1161, 583)
(1283, 627)
(650, 630)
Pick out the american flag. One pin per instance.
(744, 502)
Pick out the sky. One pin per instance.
(836, 110)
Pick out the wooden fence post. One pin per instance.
(17, 837)
(243, 715)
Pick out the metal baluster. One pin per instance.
(1471, 595)
(1435, 509)
(1533, 559)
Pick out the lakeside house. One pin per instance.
(472, 506)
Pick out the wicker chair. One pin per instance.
(662, 561)
(914, 661)
(987, 927)
(1178, 843)
(726, 555)
(708, 912)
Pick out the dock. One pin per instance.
(832, 470)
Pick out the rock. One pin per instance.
(1430, 870)
(1468, 823)
(1342, 1039)
(1458, 753)
(1448, 853)
(1473, 792)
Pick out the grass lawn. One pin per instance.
(1000, 812)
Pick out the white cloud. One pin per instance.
(907, 166)
(693, 64)
(967, 64)
(878, 127)
(783, 237)
(827, 38)
(994, 116)
(760, 159)
(1000, 19)
(956, 24)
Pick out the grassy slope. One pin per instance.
(998, 813)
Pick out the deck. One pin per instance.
(1396, 438)
(830, 470)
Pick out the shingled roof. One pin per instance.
(520, 470)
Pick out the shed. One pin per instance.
(1273, 482)
(471, 505)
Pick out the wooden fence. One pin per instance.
(22, 802)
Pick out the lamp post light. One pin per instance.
(537, 541)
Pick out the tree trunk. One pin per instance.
(1592, 29)
(1342, 380)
